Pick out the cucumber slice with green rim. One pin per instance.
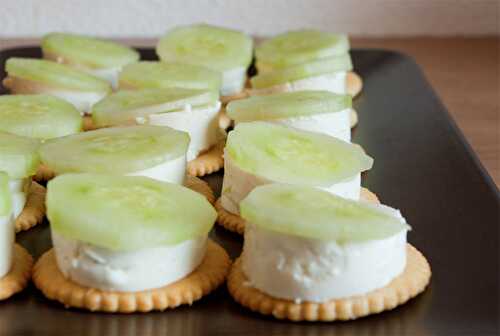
(304, 70)
(54, 75)
(124, 106)
(312, 213)
(126, 212)
(288, 155)
(18, 155)
(300, 46)
(287, 105)
(118, 150)
(162, 75)
(88, 51)
(216, 48)
(38, 116)
(5, 196)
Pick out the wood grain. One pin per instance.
(465, 72)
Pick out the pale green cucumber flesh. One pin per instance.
(88, 51)
(126, 213)
(117, 150)
(54, 75)
(282, 154)
(124, 106)
(300, 46)
(201, 44)
(38, 116)
(150, 74)
(287, 105)
(18, 155)
(314, 68)
(5, 196)
(312, 213)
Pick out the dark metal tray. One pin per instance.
(423, 166)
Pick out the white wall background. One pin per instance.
(148, 18)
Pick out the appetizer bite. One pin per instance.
(311, 255)
(32, 76)
(191, 110)
(100, 58)
(128, 244)
(205, 153)
(305, 60)
(152, 151)
(260, 153)
(15, 262)
(224, 50)
(316, 111)
(38, 116)
(19, 159)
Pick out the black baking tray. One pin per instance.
(423, 166)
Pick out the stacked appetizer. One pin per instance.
(19, 159)
(15, 261)
(129, 219)
(128, 243)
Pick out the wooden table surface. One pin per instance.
(465, 72)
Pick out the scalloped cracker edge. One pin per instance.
(404, 287)
(209, 275)
(208, 162)
(18, 277)
(34, 209)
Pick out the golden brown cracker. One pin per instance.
(209, 275)
(34, 209)
(224, 121)
(354, 84)
(235, 223)
(240, 95)
(407, 285)
(18, 277)
(196, 184)
(354, 118)
(207, 162)
(88, 123)
(44, 173)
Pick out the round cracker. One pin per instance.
(209, 275)
(208, 162)
(196, 184)
(88, 123)
(18, 277)
(34, 209)
(44, 173)
(354, 83)
(235, 223)
(354, 118)
(240, 95)
(410, 283)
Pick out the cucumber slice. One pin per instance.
(213, 47)
(300, 46)
(118, 150)
(312, 213)
(287, 105)
(38, 116)
(303, 70)
(18, 155)
(126, 212)
(54, 75)
(288, 155)
(88, 51)
(124, 106)
(5, 196)
(161, 75)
